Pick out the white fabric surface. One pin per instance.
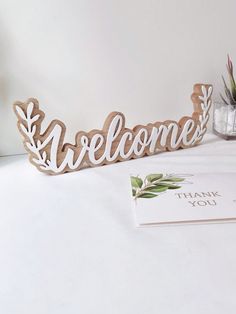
(68, 243)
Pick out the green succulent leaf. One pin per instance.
(231, 77)
(136, 182)
(153, 177)
(222, 98)
(228, 93)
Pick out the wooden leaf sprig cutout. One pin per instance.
(154, 184)
(114, 142)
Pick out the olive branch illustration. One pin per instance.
(154, 184)
(204, 116)
(29, 128)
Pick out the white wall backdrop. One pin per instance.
(85, 58)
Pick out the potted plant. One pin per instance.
(224, 118)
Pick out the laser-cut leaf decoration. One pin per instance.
(30, 109)
(20, 112)
(139, 141)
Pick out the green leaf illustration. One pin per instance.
(154, 184)
(154, 177)
(157, 189)
(169, 186)
(147, 195)
(173, 179)
(136, 182)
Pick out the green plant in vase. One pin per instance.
(230, 93)
(225, 112)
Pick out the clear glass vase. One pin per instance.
(224, 121)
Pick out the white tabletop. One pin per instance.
(68, 243)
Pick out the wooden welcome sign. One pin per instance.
(114, 142)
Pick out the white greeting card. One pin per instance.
(183, 198)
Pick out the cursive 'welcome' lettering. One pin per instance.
(114, 142)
